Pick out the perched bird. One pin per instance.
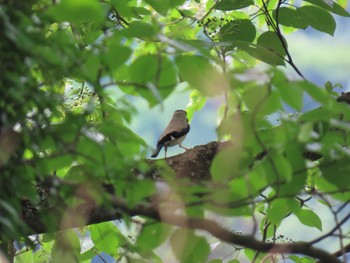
(174, 133)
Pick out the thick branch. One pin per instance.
(225, 235)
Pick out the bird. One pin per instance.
(175, 133)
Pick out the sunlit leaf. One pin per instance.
(105, 237)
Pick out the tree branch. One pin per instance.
(225, 235)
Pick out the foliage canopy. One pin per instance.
(65, 138)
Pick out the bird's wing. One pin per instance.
(173, 135)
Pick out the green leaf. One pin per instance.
(175, 3)
(305, 133)
(200, 74)
(91, 66)
(226, 5)
(159, 70)
(291, 93)
(116, 55)
(302, 259)
(291, 17)
(105, 237)
(283, 167)
(197, 102)
(318, 19)
(331, 6)
(340, 193)
(24, 257)
(139, 29)
(279, 208)
(153, 235)
(271, 40)
(337, 172)
(238, 30)
(261, 99)
(309, 218)
(319, 114)
(317, 93)
(66, 247)
(225, 164)
(161, 6)
(264, 54)
(139, 191)
(188, 247)
(295, 155)
(144, 68)
(59, 162)
(77, 11)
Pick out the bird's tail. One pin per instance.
(156, 151)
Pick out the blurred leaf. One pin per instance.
(302, 259)
(233, 4)
(77, 11)
(261, 99)
(317, 93)
(144, 68)
(116, 54)
(139, 29)
(318, 19)
(291, 93)
(161, 6)
(174, 3)
(294, 153)
(225, 164)
(306, 131)
(197, 102)
(336, 172)
(200, 74)
(105, 237)
(24, 257)
(309, 218)
(188, 247)
(138, 191)
(338, 192)
(319, 114)
(66, 247)
(153, 235)
(9, 142)
(91, 66)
